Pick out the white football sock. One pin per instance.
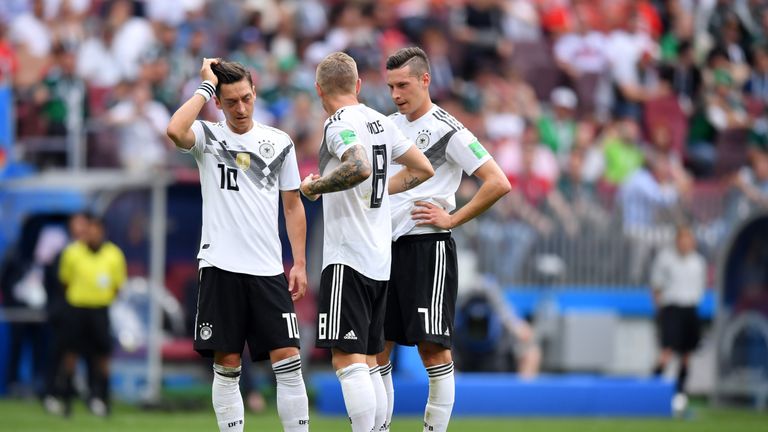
(386, 378)
(380, 419)
(441, 396)
(292, 405)
(227, 401)
(359, 396)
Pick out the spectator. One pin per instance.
(558, 129)
(623, 155)
(725, 103)
(686, 77)
(141, 123)
(678, 280)
(62, 94)
(757, 84)
(478, 27)
(30, 33)
(644, 199)
(92, 272)
(582, 51)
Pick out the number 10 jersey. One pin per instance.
(241, 176)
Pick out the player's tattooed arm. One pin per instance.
(416, 170)
(354, 169)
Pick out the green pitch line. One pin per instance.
(28, 416)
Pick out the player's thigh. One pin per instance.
(273, 323)
(378, 292)
(345, 310)
(222, 315)
(426, 283)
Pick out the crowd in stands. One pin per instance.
(593, 108)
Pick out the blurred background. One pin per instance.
(615, 121)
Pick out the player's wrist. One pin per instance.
(206, 90)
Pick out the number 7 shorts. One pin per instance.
(421, 299)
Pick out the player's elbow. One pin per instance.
(426, 171)
(363, 171)
(501, 186)
(174, 133)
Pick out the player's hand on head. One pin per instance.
(297, 282)
(305, 187)
(426, 213)
(206, 73)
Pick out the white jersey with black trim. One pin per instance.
(357, 221)
(241, 176)
(451, 148)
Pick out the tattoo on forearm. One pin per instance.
(354, 169)
(410, 182)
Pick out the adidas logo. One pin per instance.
(350, 335)
(447, 333)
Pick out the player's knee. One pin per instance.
(282, 354)
(433, 354)
(227, 359)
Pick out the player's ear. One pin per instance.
(426, 78)
(358, 84)
(318, 90)
(217, 101)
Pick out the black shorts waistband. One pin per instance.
(424, 237)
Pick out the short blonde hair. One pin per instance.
(337, 74)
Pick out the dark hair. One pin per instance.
(414, 57)
(229, 73)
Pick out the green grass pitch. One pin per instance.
(28, 416)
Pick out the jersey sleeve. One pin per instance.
(465, 150)
(197, 149)
(400, 143)
(65, 266)
(341, 136)
(119, 272)
(289, 171)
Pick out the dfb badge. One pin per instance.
(206, 331)
(422, 140)
(266, 149)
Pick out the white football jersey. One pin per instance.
(241, 177)
(357, 221)
(451, 148)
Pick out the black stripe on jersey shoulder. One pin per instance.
(436, 152)
(448, 119)
(324, 155)
(335, 117)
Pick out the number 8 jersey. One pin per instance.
(241, 176)
(358, 225)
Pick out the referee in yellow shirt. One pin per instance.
(92, 270)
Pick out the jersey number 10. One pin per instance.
(228, 179)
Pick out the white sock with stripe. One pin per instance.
(386, 378)
(381, 399)
(292, 404)
(227, 401)
(359, 396)
(441, 396)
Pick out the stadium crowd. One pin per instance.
(637, 114)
